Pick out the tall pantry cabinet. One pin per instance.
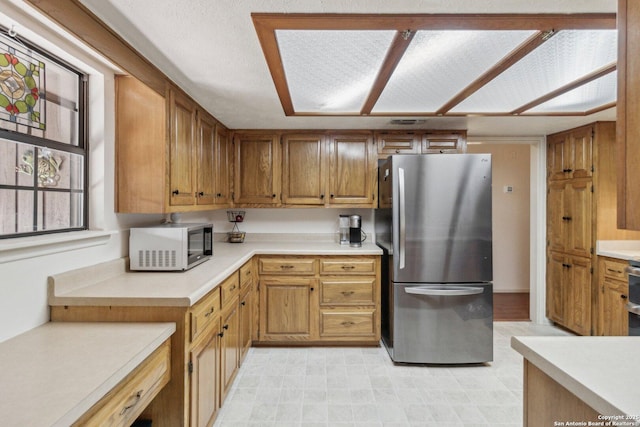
(577, 165)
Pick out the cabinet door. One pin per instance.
(223, 167)
(288, 309)
(578, 285)
(182, 142)
(614, 315)
(351, 170)
(556, 216)
(397, 143)
(205, 160)
(229, 348)
(246, 321)
(444, 142)
(581, 156)
(557, 156)
(580, 226)
(204, 378)
(556, 266)
(628, 114)
(304, 170)
(257, 169)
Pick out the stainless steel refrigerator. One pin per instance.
(434, 226)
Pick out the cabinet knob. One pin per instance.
(624, 296)
(201, 194)
(219, 195)
(332, 196)
(221, 334)
(243, 303)
(273, 196)
(175, 192)
(322, 196)
(225, 327)
(311, 289)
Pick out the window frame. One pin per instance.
(82, 148)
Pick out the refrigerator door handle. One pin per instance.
(401, 216)
(439, 291)
(633, 308)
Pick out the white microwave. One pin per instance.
(170, 247)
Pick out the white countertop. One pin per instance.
(51, 375)
(620, 249)
(109, 283)
(601, 371)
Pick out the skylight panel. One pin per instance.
(331, 71)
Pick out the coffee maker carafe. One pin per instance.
(355, 231)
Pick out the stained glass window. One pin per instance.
(43, 155)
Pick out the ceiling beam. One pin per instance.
(401, 22)
(398, 47)
(566, 88)
(514, 56)
(82, 23)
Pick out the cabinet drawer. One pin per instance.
(347, 291)
(127, 400)
(204, 312)
(229, 289)
(348, 266)
(615, 270)
(246, 275)
(295, 266)
(347, 323)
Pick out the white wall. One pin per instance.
(511, 219)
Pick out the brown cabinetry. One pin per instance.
(444, 142)
(352, 179)
(304, 169)
(165, 151)
(628, 114)
(319, 300)
(397, 142)
(613, 296)
(257, 169)
(581, 177)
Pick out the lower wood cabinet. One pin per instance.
(569, 291)
(316, 300)
(205, 349)
(612, 297)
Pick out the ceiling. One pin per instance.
(212, 49)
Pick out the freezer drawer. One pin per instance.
(441, 323)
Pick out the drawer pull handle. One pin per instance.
(209, 313)
(347, 323)
(614, 271)
(286, 267)
(233, 287)
(136, 399)
(347, 293)
(348, 267)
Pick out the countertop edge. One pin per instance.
(586, 394)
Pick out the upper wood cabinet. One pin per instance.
(257, 169)
(223, 169)
(352, 179)
(397, 142)
(182, 141)
(628, 114)
(168, 154)
(570, 154)
(304, 168)
(444, 142)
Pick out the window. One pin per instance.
(43, 150)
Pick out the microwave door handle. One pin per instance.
(402, 219)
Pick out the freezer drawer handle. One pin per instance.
(633, 308)
(444, 292)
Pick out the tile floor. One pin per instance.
(361, 387)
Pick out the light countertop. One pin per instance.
(110, 284)
(601, 371)
(51, 375)
(620, 249)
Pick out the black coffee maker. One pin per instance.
(356, 235)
